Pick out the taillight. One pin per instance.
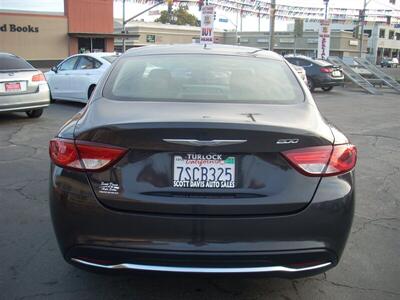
(38, 77)
(323, 160)
(326, 70)
(83, 156)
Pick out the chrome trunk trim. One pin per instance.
(198, 143)
(130, 266)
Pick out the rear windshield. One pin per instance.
(323, 63)
(110, 58)
(203, 78)
(13, 63)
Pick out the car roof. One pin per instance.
(298, 56)
(98, 54)
(200, 49)
(8, 54)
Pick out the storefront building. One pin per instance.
(44, 39)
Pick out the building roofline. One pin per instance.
(14, 12)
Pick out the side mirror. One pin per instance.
(54, 69)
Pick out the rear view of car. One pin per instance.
(22, 87)
(179, 164)
(320, 73)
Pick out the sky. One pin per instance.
(248, 23)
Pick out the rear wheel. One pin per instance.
(327, 88)
(311, 84)
(35, 113)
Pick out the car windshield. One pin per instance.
(110, 58)
(13, 63)
(203, 78)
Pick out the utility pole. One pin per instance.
(272, 25)
(362, 21)
(124, 22)
(123, 26)
(326, 9)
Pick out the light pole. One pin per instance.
(272, 25)
(123, 26)
(326, 9)
(362, 21)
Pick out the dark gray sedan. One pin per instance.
(202, 160)
(22, 87)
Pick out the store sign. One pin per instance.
(16, 28)
(207, 25)
(286, 40)
(312, 41)
(353, 42)
(324, 37)
(151, 38)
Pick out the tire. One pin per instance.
(90, 90)
(311, 84)
(35, 113)
(327, 88)
(52, 100)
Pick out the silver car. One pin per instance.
(22, 87)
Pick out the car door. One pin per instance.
(60, 81)
(86, 73)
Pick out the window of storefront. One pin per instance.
(91, 45)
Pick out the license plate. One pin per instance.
(204, 171)
(12, 86)
(336, 73)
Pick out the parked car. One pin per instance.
(389, 62)
(302, 73)
(320, 73)
(76, 77)
(22, 87)
(185, 173)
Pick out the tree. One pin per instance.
(178, 16)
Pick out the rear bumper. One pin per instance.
(94, 236)
(278, 263)
(24, 102)
(326, 81)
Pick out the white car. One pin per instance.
(76, 77)
(301, 72)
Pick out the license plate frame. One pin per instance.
(336, 73)
(193, 160)
(10, 87)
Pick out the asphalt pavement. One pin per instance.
(32, 267)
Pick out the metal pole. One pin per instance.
(326, 9)
(362, 18)
(294, 50)
(272, 25)
(123, 26)
(236, 27)
(259, 19)
(241, 19)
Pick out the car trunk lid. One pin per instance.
(143, 180)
